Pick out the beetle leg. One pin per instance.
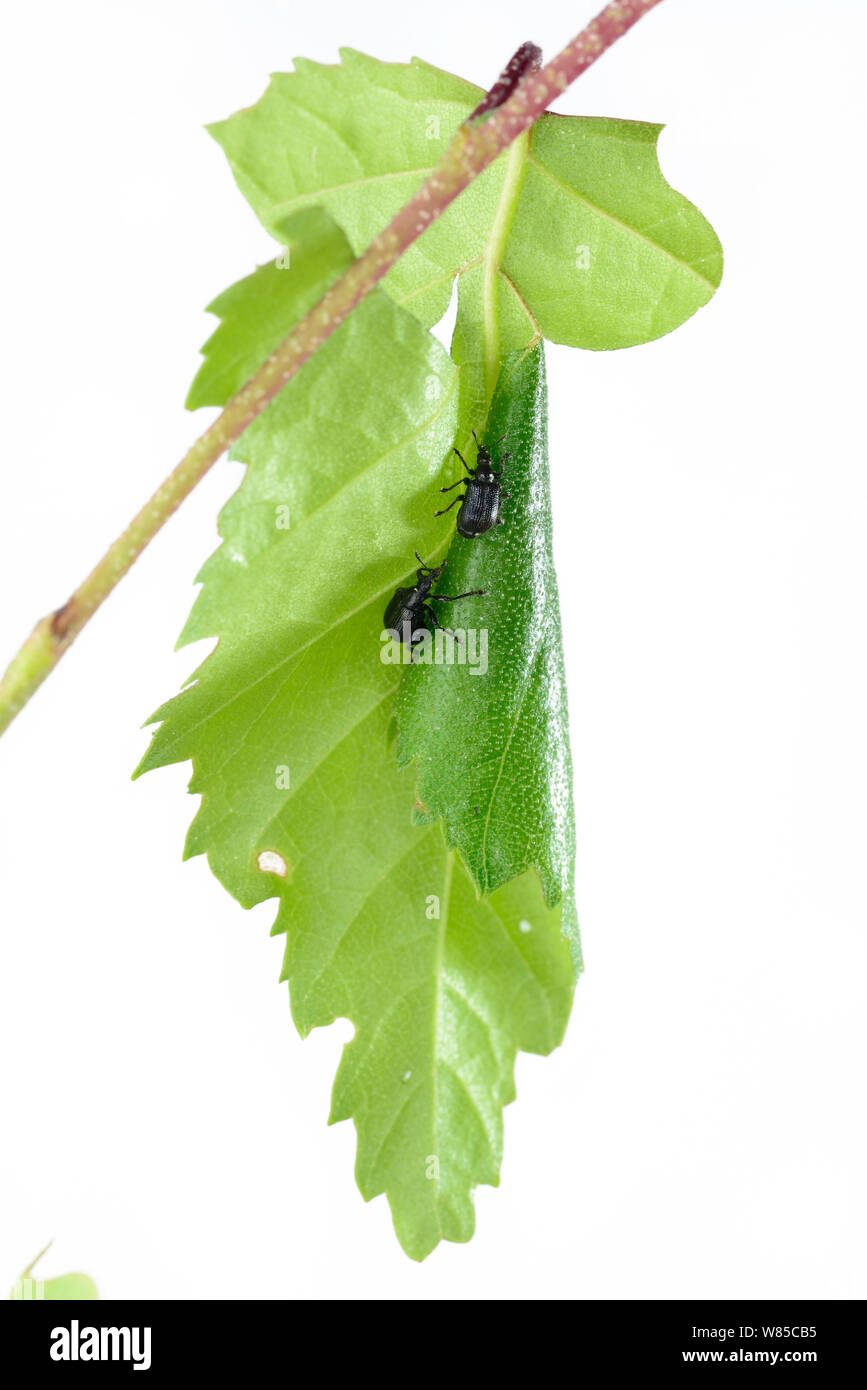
(418, 635)
(451, 487)
(432, 617)
(451, 504)
(436, 622)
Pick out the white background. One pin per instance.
(701, 1133)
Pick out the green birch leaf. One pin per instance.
(599, 251)
(489, 731)
(66, 1287)
(289, 724)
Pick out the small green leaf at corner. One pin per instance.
(67, 1287)
(30, 1287)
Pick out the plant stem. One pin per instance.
(476, 145)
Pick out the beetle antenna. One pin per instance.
(431, 569)
(476, 438)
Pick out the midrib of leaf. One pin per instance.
(618, 222)
(493, 255)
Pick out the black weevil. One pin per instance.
(406, 612)
(480, 504)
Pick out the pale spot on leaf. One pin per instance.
(270, 862)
